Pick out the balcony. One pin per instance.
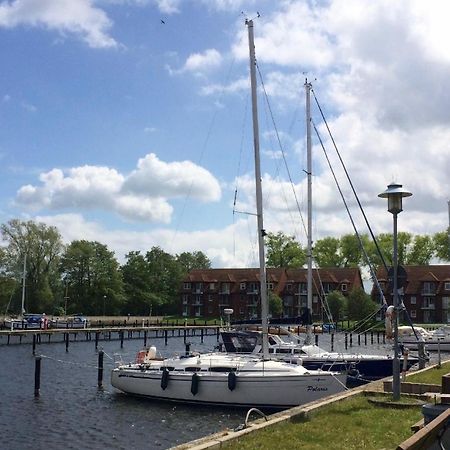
(428, 291)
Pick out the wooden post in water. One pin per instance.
(365, 337)
(332, 342)
(351, 339)
(121, 339)
(201, 336)
(34, 344)
(346, 340)
(67, 341)
(184, 337)
(165, 337)
(359, 338)
(316, 339)
(371, 337)
(100, 370)
(37, 376)
(217, 333)
(96, 339)
(145, 338)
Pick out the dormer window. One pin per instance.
(344, 287)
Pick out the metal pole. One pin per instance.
(396, 360)
(309, 286)
(259, 200)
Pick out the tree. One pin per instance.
(441, 244)
(193, 260)
(360, 305)
(165, 278)
(93, 279)
(421, 251)
(337, 304)
(352, 253)
(284, 251)
(42, 246)
(275, 304)
(326, 252)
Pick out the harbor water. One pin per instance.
(72, 413)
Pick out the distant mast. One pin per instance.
(259, 202)
(308, 339)
(24, 276)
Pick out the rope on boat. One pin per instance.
(73, 363)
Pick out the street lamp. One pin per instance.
(104, 301)
(395, 193)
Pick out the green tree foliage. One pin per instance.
(42, 246)
(360, 305)
(337, 304)
(275, 304)
(193, 260)
(284, 251)
(93, 279)
(327, 252)
(421, 250)
(441, 244)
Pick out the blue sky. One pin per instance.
(117, 127)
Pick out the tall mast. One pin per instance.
(309, 174)
(24, 276)
(259, 207)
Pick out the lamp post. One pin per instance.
(104, 302)
(395, 193)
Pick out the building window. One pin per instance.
(315, 299)
(242, 286)
(344, 287)
(428, 287)
(428, 302)
(212, 286)
(210, 309)
(447, 286)
(187, 286)
(413, 300)
(289, 287)
(270, 286)
(445, 302)
(413, 314)
(185, 298)
(210, 298)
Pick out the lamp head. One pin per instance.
(395, 193)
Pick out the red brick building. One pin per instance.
(207, 292)
(426, 294)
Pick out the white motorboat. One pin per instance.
(234, 380)
(436, 340)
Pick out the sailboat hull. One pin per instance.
(250, 390)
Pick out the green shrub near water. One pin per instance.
(351, 424)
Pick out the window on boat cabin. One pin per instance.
(447, 286)
(413, 300)
(242, 286)
(212, 286)
(344, 287)
(413, 314)
(186, 285)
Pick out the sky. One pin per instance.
(128, 122)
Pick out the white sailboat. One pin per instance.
(224, 379)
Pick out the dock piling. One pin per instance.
(100, 369)
(37, 376)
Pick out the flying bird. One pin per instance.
(162, 21)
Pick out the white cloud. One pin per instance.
(232, 246)
(199, 63)
(168, 6)
(141, 196)
(174, 179)
(79, 17)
